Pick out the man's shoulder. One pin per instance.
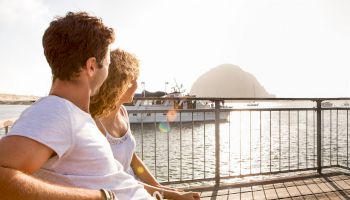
(50, 99)
(49, 104)
(46, 110)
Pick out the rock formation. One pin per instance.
(228, 81)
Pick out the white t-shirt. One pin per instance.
(84, 157)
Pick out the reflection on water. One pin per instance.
(251, 142)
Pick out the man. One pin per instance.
(55, 149)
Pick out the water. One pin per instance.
(10, 112)
(251, 142)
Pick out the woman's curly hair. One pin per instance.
(124, 68)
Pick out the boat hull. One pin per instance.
(169, 116)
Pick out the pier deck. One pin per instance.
(327, 186)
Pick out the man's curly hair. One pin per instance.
(70, 40)
(124, 68)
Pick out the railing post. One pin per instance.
(217, 142)
(319, 137)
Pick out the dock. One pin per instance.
(330, 186)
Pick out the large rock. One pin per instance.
(228, 81)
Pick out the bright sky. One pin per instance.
(295, 48)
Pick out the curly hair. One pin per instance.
(124, 68)
(70, 40)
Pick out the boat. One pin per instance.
(326, 104)
(164, 109)
(253, 103)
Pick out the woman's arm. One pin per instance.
(142, 172)
(149, 181)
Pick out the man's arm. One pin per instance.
(20, 157)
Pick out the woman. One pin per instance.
(112, 119)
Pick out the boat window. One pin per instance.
(148, 114)
(134, 114)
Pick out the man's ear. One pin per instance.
(91, 66)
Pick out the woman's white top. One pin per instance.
(123, 147)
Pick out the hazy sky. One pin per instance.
(295, 48)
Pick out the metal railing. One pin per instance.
(5, 125)
(253, 141)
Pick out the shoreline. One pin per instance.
(13, 99)
(21, 102)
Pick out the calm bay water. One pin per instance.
(10, 112)
(251, 142)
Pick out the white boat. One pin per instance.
(253, 103)
(171, 110)
(326, 104)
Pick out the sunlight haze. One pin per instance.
(294, 48)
